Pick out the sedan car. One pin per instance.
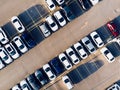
(112, 28)
(50, 4)
(71, 54)
(61, 20)
(3, 37)
(47, 69)
(66, 80)
(107, 54)
(114, 87)
(20, 44)
(85, 4)
(94, 2)
(17, 24)
(5, 56)
(12, 51)
(97, 39)
(88, 44)
(16, 87)
(80, 50)
(60, 1)
(24, 85)
(2, 65)
(63, 58)
(51, 22)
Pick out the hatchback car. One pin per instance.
(114, 87)
(56, 66)
(71, 54)
(24, 85)
(47, 69)
(112, 28)
(51, 22)
(12, 51)
(66, 80)
(28, 40)
(61, 20)
(107, 54)
(44, 29)
(63, 58)
(20, 44)
(50, 4)
(17, 24)
(97, 39)
(80, 50)
(3, 37)
(68, 13)
(88, 44)
(41, 76)
(33, 82)
(94, 2)
(85, 4)
(2, 65)
(16, 87)
(60, 1)
(5, 56)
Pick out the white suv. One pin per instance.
(114, 87)
(94, 2)
(63, 58)
(16, 87)
(1, 64)
(24, 85)
(50, 4)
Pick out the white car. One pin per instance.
(97, 39)
(53, 25)
(49, 72)
(114, 87)
(80, 50)
(50, 4)
(3, 37)
(16, 87)
(17, 24)
(66, 80)
(1, 64)
(60, 1)
(71, 54)
(44, 29)
(61, 20)
(20, 44)
(12, 51)
(88, 44)
(63, 58)
(107, 54)
(94, 2)
(24, 85)
(5, 56)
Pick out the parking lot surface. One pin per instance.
(94, 73)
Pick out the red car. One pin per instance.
(111, 26)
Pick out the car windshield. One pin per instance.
(53, 24)
(19, 28)
(3, 39)
(5, 57)
(76, 60)
(68, 66)
(47, 69)
(67, 80)
(92, 49)
(52, 76)
(71, 53)
(61, 19)
(87, 42)
(13, 53)
(51, 6)
(106, 52)
(21, 47)
(79, 47)
(63, 58)
(15, 20)
(96, 36)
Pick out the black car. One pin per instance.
(27, 38)
(34, 82)
(57, 66)
(85, 4)
(41, 76)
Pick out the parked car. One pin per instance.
(68, 13)
(71, 54)
(17, 24)
(47, 69)
(44, 29)
(107, 54)
(3, 37)
(59, 17)
(94, 2)
(20, 44)
(97, 39)
(85, 4)
(112, 28)
(2, 65)
(16, 87)
(12, 51)
(24, 85)
(50, 4)
(33, 82)
(28, 40)
(63, 58)
(5, 56)
(57, 66)
(60, 1)
(41, 76)
(114, 87)
(80, 50)
(88, 44)
(51, 22)
(66, 80)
